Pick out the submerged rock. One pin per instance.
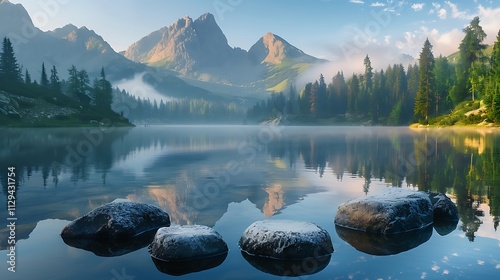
(285, 239)
(178, 268)
(117, 220)
(393, 211)
(288, 268)
(111, 247)
(384, 244)
(180, 243)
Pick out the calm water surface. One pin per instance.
(229, 177)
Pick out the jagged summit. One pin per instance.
(184, 46)
(273, 49)
(17, 20)
(199, 50)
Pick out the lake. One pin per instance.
(228, 177)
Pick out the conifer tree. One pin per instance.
(10, 72)
(78, 85)
(494, 79)
(44, 80)
(55, 84)
(470, 50)
(102, 93)
(27, 78)
(426, 87)
(313, 100)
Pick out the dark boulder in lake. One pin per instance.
(286, 240)
(445, 213)
(112, 247)
(183, 243)
(117, 220)
(444, 208)
(288, 268)
(393, 211)
(182, 267)
(384, 244)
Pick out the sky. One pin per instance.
(342, 31)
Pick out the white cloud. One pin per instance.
(357, 1)
(442, 14)
(443, 43)
(489, 21)
(407, 43)
(418, 6)
(456, 13)
(387, 39)
(377, 4)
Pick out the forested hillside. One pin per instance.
(437, 90)
(49, 101)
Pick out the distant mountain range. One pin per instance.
(190, 58)
(198, 50)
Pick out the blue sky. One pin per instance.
(338, 30)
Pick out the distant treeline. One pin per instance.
(140, 110)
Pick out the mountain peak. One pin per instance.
(182, 23)
(16, 17)
(206, 17)
(273, 49)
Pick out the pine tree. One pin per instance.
(304, 100)
(494, 79)
(55, 84)
(368, 75)
(496, 106)
(44, 81)
(322, 97)
(9, 68)
(78, 85)
(426, 88)
(102, 93)
(27, 78)
(353, 100)
(471, 50)
(445, 77)
(313, 100)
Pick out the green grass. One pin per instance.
(457, 117)
(281, 87)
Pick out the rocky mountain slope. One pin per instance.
(81, 47)
(198, 50)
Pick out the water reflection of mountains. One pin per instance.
(171, 166)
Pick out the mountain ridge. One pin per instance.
(199, 50)
(82, 47)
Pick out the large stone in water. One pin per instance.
(180, 243)
(393, 211)
(117, 220)
(288, 268)
(286, 239)
(444, 208)
(112, 247)
(384, 244)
